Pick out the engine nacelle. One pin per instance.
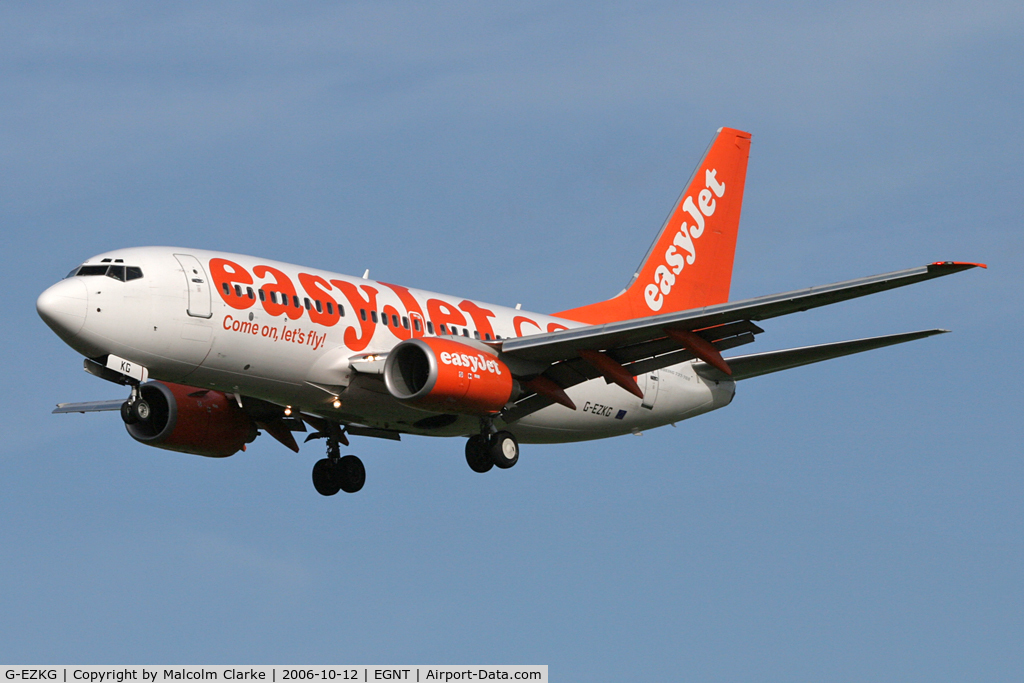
(191, 420)
(443, 375)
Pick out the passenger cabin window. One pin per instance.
(249, 293)
(295, 301)
(330, 308)
(394, 320)
(430, 327)
(306, 301)
(362, 313)
(373, 316)
(465, 332)
(273, 297)
(238, 290)
(384, 318)
(476, 333)
(224, 286)
(341, 310)
(263, 295)
(319, 308)
(487, 336)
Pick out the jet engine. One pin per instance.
(442, 375)
(191, 420)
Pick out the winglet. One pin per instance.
(958, 265)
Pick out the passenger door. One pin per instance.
(199, 305)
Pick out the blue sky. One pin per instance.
(855, 520)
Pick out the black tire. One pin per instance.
(350, 473)
(325, 479)
(504, 450)
(477, 455)
(127, 415)
(141, 410)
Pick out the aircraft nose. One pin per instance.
(63, 307)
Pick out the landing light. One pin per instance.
(287, 411)
(336, 404)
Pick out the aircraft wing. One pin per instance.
(564, 344)
(630, 348)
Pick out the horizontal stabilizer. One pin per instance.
(756, 364)
(88, 407)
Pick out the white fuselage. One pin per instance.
(200, 318)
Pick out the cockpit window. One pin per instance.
(118, 272)
(93, 270)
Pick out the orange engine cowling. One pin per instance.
(447, 376)
(191, 420)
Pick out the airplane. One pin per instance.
(216, 348)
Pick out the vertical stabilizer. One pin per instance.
(690, 263)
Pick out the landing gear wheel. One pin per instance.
(478, 456)
(504, 450)
(141, 410)
(127, 415)
(350, 473)
(325, 479)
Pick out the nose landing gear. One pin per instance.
(336, 473)
(135, 409)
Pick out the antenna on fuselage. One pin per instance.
(366, 275)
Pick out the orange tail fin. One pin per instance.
(690, 263)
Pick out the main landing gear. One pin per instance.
(135, 409)
(336, 473)
(484, 452)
